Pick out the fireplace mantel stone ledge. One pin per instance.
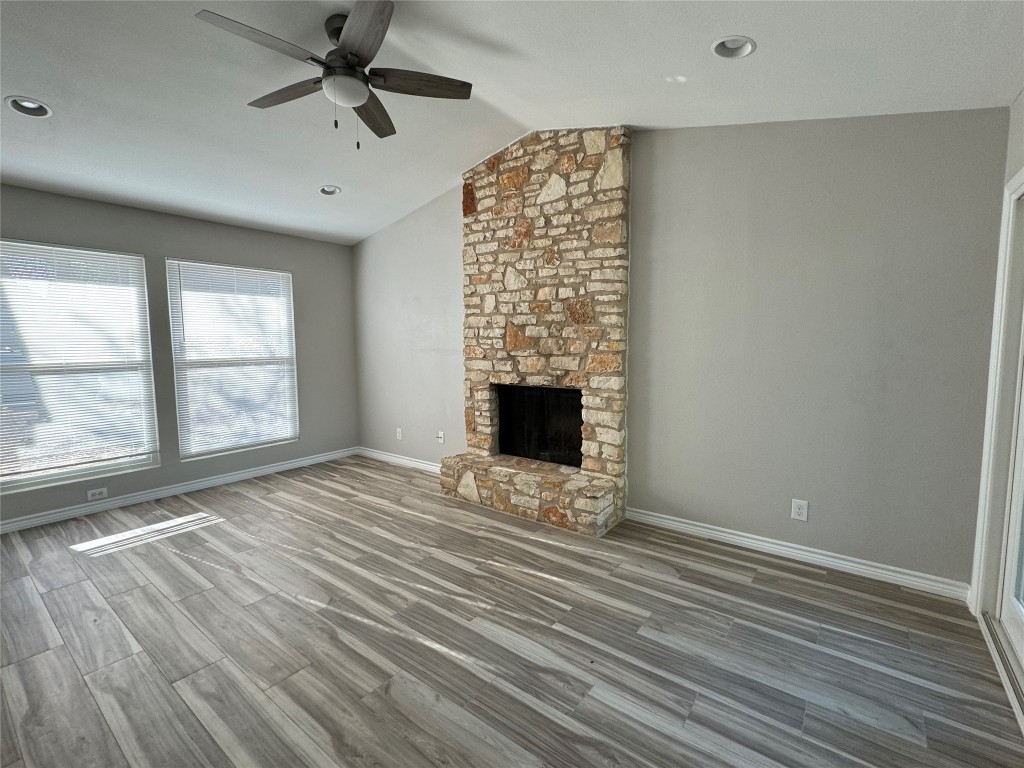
(545, 292)
(567, 497)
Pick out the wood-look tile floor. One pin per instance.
(347, 615)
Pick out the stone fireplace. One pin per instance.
(546, 265)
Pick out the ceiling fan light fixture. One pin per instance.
(345, 91)
(28, 106)
(735, 47)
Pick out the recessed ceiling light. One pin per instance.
(28, 107)
(735, 47)
(329, 189)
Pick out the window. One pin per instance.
(76, 371)
(233, 339)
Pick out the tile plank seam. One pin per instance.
(516, 632)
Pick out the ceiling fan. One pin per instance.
(356, 37)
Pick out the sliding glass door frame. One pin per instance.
(1001, 494)
(1010, 601)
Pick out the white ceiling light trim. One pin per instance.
(27, 106)
(735, 47)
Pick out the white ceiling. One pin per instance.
(150, 103)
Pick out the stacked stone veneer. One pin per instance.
(545, 262)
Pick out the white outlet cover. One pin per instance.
(799, 511)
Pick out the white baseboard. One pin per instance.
(66, 513)
(925, 582)
(402, 461)
(922, 581)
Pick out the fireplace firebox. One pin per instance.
(542, 423)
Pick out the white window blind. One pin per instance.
(76, 371)
(233, 338)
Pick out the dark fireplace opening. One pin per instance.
(542, 423)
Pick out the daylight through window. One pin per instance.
(232, 334)
(76, 370)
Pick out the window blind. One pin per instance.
(233, 340)
(76, 370)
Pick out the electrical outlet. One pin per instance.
(96, 494)
(799, 510)
(398, 433)
(440, 437)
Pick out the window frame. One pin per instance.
(112, 467)
(223, 362)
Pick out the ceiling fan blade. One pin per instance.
(288, 93)
(364, 29)
(376, 118)
(419, 84)
(262, 38)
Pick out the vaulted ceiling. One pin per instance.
(150, 103)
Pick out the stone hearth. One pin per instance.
(545, 263)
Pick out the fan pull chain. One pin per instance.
(334, 84)
(357, 133)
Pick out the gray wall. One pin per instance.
(1015, 143)
(810, 314)
(324, 327)
(409, 309)
(811, 308)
